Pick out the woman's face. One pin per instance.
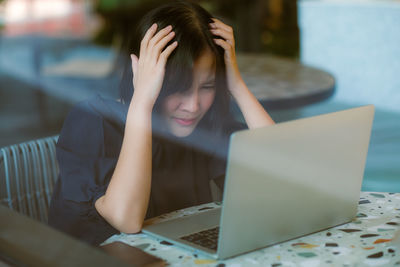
(182, 111)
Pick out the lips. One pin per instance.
(185, 122)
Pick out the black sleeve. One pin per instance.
(84, 174)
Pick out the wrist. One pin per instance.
(140, 105)
(238, 88)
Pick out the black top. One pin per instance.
(87, 153)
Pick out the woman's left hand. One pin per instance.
(253, 112)
(218, 28)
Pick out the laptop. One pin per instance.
(282, 181)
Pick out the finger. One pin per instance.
(162, 43)
(167, 52)
(161, 34)
(219, 24)
(149, 33)
(134, 60)
(225, 45)
(228, 36)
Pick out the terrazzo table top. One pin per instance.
(284, 83)
(366, 241)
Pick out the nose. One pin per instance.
(190, 101)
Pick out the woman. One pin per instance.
(156, 150)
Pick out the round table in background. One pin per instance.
(280, 83)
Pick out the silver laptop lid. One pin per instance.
(293, 178)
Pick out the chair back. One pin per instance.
(28, 172)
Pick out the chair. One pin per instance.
(28, 172)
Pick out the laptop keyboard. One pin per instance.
(207, 238)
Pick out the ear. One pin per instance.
(134, 59)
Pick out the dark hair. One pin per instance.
(190, 23)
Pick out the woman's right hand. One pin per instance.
(149, 68)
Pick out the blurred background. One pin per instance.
(55, 53)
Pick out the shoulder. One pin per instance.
(97, 109)
(89, 121)
(82, 114)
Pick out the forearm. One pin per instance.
(125, 202)
(253, 112)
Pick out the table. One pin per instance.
(281, 83)
(366, 241)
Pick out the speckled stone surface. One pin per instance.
(366, 241)
(282, 83)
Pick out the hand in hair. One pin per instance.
(253, 112)
(149, 68)
(218, 28)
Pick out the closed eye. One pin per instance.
(208, 86)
